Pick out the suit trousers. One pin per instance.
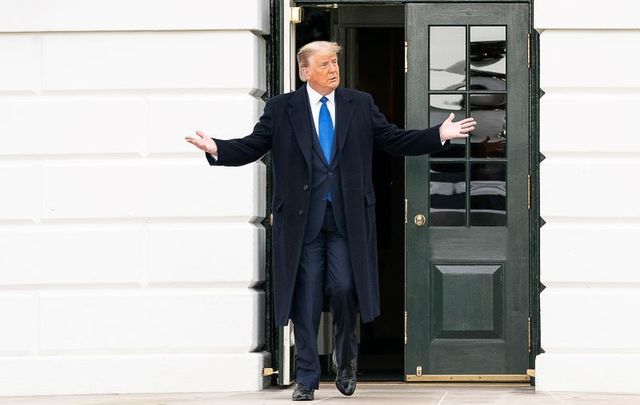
(324, 270)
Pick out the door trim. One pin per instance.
(275, 56)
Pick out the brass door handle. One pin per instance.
(419, 220)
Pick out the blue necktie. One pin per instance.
(325, 133)
(325, 130)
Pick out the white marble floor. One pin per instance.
(366, 394)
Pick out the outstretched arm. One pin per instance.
(239, 151)
(391, 139)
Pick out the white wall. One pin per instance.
(127, 264)
(589, 195)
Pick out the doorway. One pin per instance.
(372, 60)
(447, 313)
(379, 70)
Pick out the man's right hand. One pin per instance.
(459, 129)
(203, 142)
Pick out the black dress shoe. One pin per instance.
(346, 380)
(302, 393)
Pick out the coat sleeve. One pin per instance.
(240, 151)
(397, 141)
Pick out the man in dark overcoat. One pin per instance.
(321, 139)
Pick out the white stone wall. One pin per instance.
(127, 264)
(589, 57)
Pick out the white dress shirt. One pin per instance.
(314, 102)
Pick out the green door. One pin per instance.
(467, 228)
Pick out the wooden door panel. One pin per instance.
(467, 301)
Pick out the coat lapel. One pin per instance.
(344, 113)
(299, 115)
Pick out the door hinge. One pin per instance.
(406, 203)
(267, 371)
(529, 51)
(419, 371)
(406, 59)
(529, 333)
(296, 15)
(405, 327)
(528, 191)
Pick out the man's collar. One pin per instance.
(314, 96)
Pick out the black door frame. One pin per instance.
(274, 58)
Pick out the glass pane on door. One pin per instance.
(448, 194)
(440, 107)
(488, 58)
(447, 55)
(488, 191)
(489, 138)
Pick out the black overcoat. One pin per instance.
(285, 128)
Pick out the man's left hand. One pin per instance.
(460, 129)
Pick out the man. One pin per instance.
(321, 139)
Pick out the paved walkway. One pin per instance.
(366, 393)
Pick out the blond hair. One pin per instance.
(312, 48)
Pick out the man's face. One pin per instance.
(323, 73)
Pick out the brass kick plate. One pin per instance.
(468, 377)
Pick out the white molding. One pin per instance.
(586, 59)
(65, 375)
(133, 15)
(580, 14)
(613, 373)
